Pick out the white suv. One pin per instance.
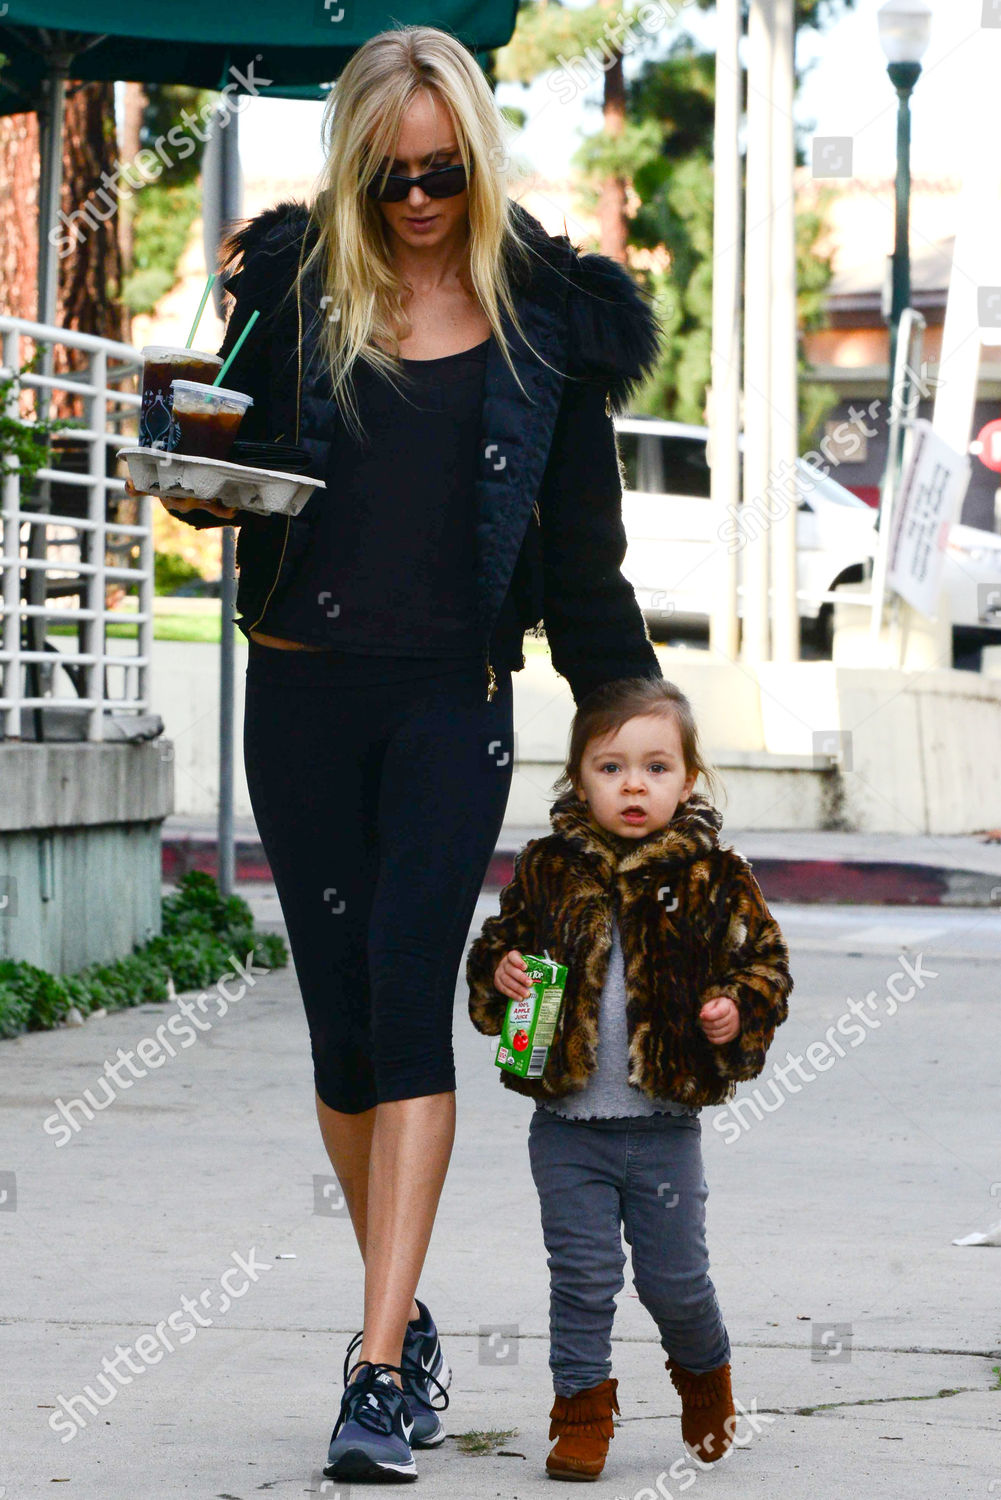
(678, 539)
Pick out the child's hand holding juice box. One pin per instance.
(535, 987)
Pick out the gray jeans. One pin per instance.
(643, 1177)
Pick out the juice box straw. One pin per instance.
(201, 308)
(236, 347)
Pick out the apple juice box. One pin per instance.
(530, 1024)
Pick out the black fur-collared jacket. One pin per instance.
(693, 924)
(548, 492)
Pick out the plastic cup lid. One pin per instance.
(201, 389)
(171, 351)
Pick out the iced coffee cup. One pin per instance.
(206, 418)
(162, 364)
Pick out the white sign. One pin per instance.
(925, 508)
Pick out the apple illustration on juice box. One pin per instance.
(530, 1024)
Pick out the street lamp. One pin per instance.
(904, 31)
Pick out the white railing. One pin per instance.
(70, 552)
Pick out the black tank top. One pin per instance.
(391, 565)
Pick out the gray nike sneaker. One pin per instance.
(371, 1438)
(423, 1364)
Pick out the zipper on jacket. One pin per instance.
(491, 674)
(288, 522)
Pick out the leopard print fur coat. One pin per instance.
(693, 924)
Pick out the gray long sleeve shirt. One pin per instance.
(608, 1093)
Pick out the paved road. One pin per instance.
(865, 1341)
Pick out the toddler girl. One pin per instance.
(677, 977)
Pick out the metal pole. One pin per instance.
(724, 395)
(51, 121)
(757, 337)
(230, 203)
(10, 573)
(94, 545)
(782, 512)
(903, 76)
(51, 129)
(226, 690)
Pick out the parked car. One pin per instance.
(679, 539)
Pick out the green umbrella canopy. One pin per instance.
(271, 48)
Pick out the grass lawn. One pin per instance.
(192, 625)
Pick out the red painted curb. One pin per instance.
(839, 882)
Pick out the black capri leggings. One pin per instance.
(378, 785)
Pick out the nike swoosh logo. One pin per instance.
(408, 1427)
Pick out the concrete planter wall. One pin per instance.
(80, 849)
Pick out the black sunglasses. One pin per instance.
(440, 182)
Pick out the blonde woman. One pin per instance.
(452, 370)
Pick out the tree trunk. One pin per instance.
(612, 202)
(90, 275)
(19, 216)
(135, 104)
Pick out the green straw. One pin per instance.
(236, 347)
(201, 309)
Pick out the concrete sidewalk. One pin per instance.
(862, 1338)
(879, 868)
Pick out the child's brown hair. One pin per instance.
(607, 708)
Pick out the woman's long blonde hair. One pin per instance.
(362, 293)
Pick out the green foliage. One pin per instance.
(600, 155)
(549, 32)
(679, 92)
(813, 273)
(666, 152)
(478, 1444)
(26, 446)
(543, 34)
(674, 182)
(171, 107)
(170, 570)
(202, 930)
(165, 209)
(29, 997)
(164, 216)
(199, 907)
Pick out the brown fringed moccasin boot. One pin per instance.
(582, 1425)
(706, 1403)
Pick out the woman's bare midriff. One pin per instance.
(281, 642)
